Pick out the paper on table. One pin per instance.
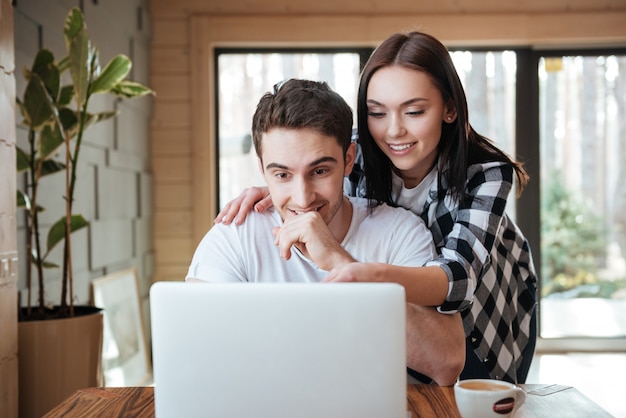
(548, 390)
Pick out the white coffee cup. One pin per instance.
(483, 398)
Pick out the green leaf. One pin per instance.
(94, 63)
(128, 89)
(38, 106)
(79, 69)
(51, 166)
(69, 121)
(23, 160)
(44, 58)
(64, 64)
(99, 117)
(44, 264)
(49, 265)
(74, 23)
(50, 140)
(77, 44)
(115, 71)
(23, 201)
(57, 232)
(67, 92)
(20, 106)
(48, 72)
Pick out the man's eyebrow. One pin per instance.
(311, 164)
(276, 165)
(323, 160)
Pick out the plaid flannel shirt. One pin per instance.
(488, 262)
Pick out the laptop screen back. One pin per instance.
(279, 350)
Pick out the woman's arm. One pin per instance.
(466, 232)
(257, 198)
(425, 286)
(449, 281)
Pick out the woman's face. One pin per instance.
(405, 116)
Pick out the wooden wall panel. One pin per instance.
(173, 196)
(8, 347)
(172, 271)
(174, 223)
(168, 8)
(171, 169)
(171, 115)
(172, 87)
(175, 251)
(171, 142)
(170, 60)
(171, 146)
(170, 32)
(8, 221)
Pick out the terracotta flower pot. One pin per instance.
(57, 357)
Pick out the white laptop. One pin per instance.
(279, 350)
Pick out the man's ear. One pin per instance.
(350, 158)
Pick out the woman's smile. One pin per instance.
(401, 149)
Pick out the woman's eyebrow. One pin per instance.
(405, 103)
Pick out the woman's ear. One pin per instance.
(449, 114)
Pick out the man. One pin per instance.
(301, 134)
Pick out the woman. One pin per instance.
(420, 152)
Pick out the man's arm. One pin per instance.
(435, 343)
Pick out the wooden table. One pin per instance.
(423, 401)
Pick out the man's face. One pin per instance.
(304, 172)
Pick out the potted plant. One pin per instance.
(57, 116)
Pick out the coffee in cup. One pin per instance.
(483, 398)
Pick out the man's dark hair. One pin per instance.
(299, 104)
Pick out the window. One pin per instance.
(582, 131)
(562, 113)
(489, 81)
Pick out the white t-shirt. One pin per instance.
(247, 253)
(413, 198)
